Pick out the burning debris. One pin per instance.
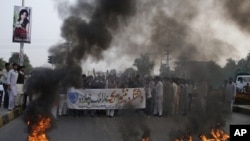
(42, 86)
(39, 129)
(216, 135)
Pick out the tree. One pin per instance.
(129, 73)
(248, 63)
(144, 65)
(230, 69)
(113, 72)
(164, 70)
(214, 76)
(2, 62)
(15, 59)
(241, 66)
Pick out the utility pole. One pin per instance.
(165, 56)
(168, 57)
(21, 58)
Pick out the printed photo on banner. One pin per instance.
(22, 24)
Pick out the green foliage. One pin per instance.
(129, 72)
(144, 65)
(233, 67)
(15, 59)
(2, 62)
(164, 70)
(230, 68)
(199, 71)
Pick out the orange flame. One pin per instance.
(145, 139)
(188, 138)
(217, 135)
(38, 130)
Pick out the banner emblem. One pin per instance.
(73, 97)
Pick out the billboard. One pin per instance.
(22, 24)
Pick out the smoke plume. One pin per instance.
(239, 11)
(179, 26)
(88, 31)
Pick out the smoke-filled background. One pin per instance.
(112, 33)
(196, 29)
(88, 36)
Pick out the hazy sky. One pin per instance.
(208, 25)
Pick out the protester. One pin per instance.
(1, 93)
(190, 92)
(12, 86)
(149, 91)
(247, 88)
(168, 96)
(110, 83)
(203, 90)
(183, 97)
(229, 96)
(176, 94)
(5, 85)
(137, 83)
(158, 106)
(20, 83)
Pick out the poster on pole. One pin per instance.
(22, 24)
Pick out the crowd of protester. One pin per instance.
(164, 96)
(13, 78)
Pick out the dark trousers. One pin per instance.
(149, 107)
(25, 98)
(6, 96)
(24, 101)
(1, 96)
(189, 102)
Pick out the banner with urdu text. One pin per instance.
(106, 98)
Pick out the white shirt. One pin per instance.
(11, 80)
(159, 89)
(4, 76)
(1, 87)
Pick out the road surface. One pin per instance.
(120, 128)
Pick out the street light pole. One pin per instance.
(21, 58)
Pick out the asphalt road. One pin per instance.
(121, 128)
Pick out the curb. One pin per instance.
(241, 109)
(10, 116)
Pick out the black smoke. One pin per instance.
(42, 86)
(239, 11)
(88, 31)
(132, 124)
(90, 27)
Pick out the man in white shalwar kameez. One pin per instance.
(230, 92)
(12, 86)
(176, 97)
(158, 106)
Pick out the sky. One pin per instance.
(206, 24)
